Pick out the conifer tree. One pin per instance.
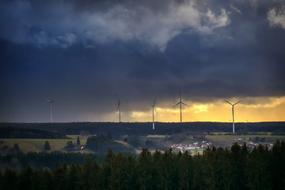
(47, 146)
(78, 141)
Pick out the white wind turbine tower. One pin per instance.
(119, 110)
(233, 112)
(180, 103)
(50, 102)
(153, 114)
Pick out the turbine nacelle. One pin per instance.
(50, 101)
(232, 104)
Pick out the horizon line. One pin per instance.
(126, 122)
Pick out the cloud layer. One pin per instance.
(86, 54)
(276, 16)
(125, 21)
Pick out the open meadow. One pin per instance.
(152, 142)
(37, 145)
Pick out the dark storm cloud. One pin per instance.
(154, 23)
(86, 54)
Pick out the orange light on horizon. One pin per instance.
(250, 110)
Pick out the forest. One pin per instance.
(56, 130)
(218, 168)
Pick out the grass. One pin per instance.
(218, 139)
(36, 145)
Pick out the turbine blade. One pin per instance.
(237, 103)
(228, 102)
(154, 103)
(177, 104)
(50, 101)
(118, 105)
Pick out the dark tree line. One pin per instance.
(57, 130)
(41, 160)
(236, 168)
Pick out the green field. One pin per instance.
(36, 145)
(217, 139)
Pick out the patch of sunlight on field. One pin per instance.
(196, 152)
(83, 139)
(157, 136)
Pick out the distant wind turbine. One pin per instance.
(50, 102)
(119, 110)
(153, 112)
(180, 103)
(233, 112)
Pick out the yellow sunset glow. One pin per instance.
(249, 110)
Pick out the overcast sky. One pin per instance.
(87, 54)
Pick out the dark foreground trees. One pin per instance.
(237, 168)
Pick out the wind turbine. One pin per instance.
(119, 110)
(233, 112)
(50, 102)
(153, 112)
(180, 103)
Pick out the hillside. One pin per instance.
(136, 128)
